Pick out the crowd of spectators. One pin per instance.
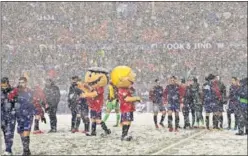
(67, 36)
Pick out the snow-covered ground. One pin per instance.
(147, 140)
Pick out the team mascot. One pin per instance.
(123, 78)
(96, 79)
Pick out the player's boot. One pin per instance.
(170, 127)
(161, 124)
(126, 138)
(74, 131)
(240, 133)
(93, 133)
(186, 125)
(107, 132)
(52, 131)
(87, 134)
(7, 153)
(26, 153)
(129, 138)
(156, 126)
(197, 125)
(38, 132)
(105, 128)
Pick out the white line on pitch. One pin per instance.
(179, 142)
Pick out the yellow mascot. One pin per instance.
(123, 78)
(96, 79)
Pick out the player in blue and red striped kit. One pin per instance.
(156, 96)
(25, 111)
(172, 99)
(211, 99)
(8, 116)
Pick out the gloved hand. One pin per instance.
(43, 119)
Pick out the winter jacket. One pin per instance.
(52, 94)
(6, 106)
(196, 93)
(5, 103)
(188, 97)
(73, 96)
(233, 97)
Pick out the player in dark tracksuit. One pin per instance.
(156, 96)
(233, 103)
(25, 111)
(83, 112)
(187, 106)
(243, 106)
(8, 115)
(197, 101)
(73, 98)
(52, 94)
(78, 106)
(172, 100)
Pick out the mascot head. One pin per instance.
(96, 77)
(122, 76)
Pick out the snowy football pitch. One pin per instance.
(147, 140)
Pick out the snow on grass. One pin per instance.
(147, 140)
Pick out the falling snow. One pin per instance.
(156, 39)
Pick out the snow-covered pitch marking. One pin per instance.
(163, 150)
